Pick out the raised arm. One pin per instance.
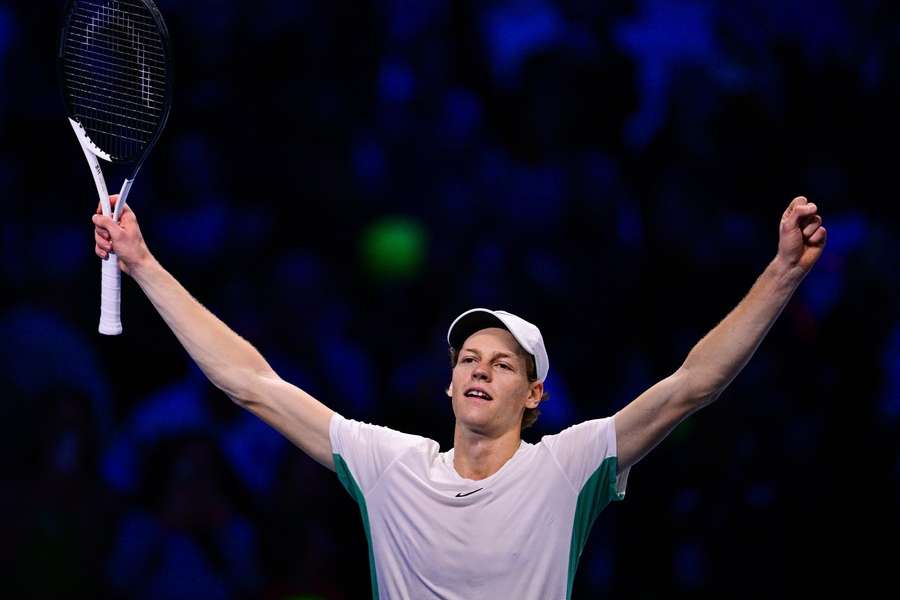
(717, 358)
(231, 363)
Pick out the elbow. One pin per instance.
(245, 386)
(698, 389)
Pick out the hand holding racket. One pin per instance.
(115, 70)
(122, 238)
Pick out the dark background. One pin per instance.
(339, 180)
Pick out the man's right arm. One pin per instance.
(230, 362)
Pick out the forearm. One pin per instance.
(229, 361)
(717, 358)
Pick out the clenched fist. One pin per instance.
(802, 236)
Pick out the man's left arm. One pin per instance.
(717, 358)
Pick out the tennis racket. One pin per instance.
(115, 70)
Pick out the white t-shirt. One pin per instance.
(517, 534)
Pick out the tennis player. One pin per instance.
(494, 516)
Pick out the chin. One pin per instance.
(477, 422)
(477, 428)
(471, 419)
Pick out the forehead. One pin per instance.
(493, 340)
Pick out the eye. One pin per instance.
(505, 366)
(468, 359)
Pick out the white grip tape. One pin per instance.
(110, 296)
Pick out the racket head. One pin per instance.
(115, 71)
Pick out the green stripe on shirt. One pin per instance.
(596, 493)
(346, 478)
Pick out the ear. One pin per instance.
(534, 394)
(449, 390)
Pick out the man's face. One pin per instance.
(490, 387)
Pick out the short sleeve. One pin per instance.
(586, 452)
(363, 452)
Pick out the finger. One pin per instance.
(100, 252)
(101, 232)
(812, 225)
(819, 237)
(794, 214)
(101, 241)
(108, 224)
(803, 210)
(799, 200)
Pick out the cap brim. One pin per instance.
(470, 322)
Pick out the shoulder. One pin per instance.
(590, 431)
(346, 432)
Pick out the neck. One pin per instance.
(477, 456)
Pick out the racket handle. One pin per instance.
(110, 296)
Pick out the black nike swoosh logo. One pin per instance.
(461, 495)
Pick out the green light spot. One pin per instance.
(394, 248)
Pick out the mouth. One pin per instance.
(477, 393)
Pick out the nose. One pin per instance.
(481, 373)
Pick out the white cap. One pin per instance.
(528, 335)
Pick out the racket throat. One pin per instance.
(86, 144)
(91, 153)
(123, 197)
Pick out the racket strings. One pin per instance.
(85, 80)
(132, 57)
(115, 74)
